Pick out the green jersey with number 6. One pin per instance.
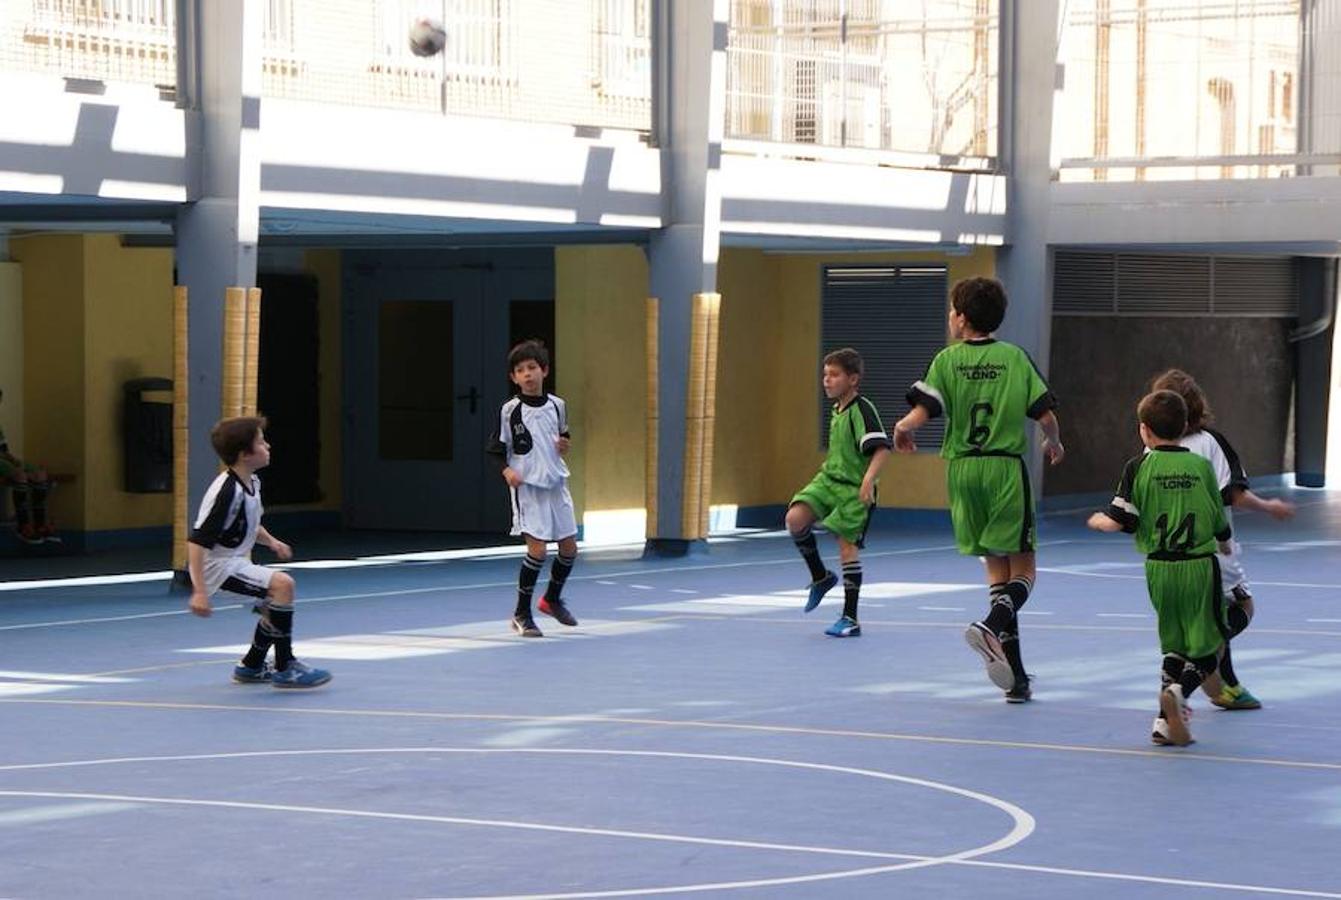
(1170, 499)
(987, 389)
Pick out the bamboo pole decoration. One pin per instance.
(653, 417)
(714, 311)
(251, 370)
(691, 513)
(234, 350)
(180, 428)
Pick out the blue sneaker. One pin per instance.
(844, 627)
(818, 589)
(261, 674)
(299, 675)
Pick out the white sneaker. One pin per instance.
(1176, 716)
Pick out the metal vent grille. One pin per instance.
(1256, 287)
(1085, 283)
(1151, 284)
(1168, 284)
(894, 316)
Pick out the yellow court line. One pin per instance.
(1170, 755)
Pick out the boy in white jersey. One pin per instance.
(1222, 686)
(219, 557)
(529, 447)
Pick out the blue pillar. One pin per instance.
(682, 255)
(1024, 264)
(216, 233)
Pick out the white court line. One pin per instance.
(1022, 823)
(598, 719)
(1288, 584)
(1322, 620)
(59, 812)
(445, 588)
(62, 677)
(1123, 615)
(94, 580)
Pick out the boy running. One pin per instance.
(1168, 498)
(988, 389)
(1223, 686)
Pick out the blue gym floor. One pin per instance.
(695, 734)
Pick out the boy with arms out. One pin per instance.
(987, 389)
(843, 493)
(528, 447)
(1222, 686)
(219, 557)
(1168, 498)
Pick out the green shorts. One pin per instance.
(991, 505)
(1189, 607)
(838, 507)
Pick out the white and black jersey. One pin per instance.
(1215, 449)
(230, 514)
(526, 439)
(1230, 477)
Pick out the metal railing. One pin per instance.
(106, 40)
(579, 63)
(847, 74)
(1196, 89)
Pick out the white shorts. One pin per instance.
(545, 514)
(237, 575)
(1231, 568)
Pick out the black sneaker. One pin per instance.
(558, 609)
(1020, 692)
(526, 627)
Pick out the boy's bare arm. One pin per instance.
(878, 460)
(1052, 437)
(904, 428)
(280, 549)
(195, 564)
(1102, 521)
(1277, 509)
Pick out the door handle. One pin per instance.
(473, 397)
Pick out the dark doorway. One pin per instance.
(288, 389)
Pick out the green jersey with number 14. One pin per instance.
(987, 389)
(1170, 501)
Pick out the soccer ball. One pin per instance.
(427, 37)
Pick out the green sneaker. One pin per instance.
(1237, 697)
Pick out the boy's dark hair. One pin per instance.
(529, 349)
(1199, 413)
(1164, 413)
(233, 437)
(981, 301)
(848, 360)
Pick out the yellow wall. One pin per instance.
(53, 363)
(11, 356)
(127, 334)
(600, 294)
(769, 370)
(767, 432)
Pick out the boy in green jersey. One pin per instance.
(1170, 500)
(988, 390)
(842, 494)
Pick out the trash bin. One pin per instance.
(146, 430)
